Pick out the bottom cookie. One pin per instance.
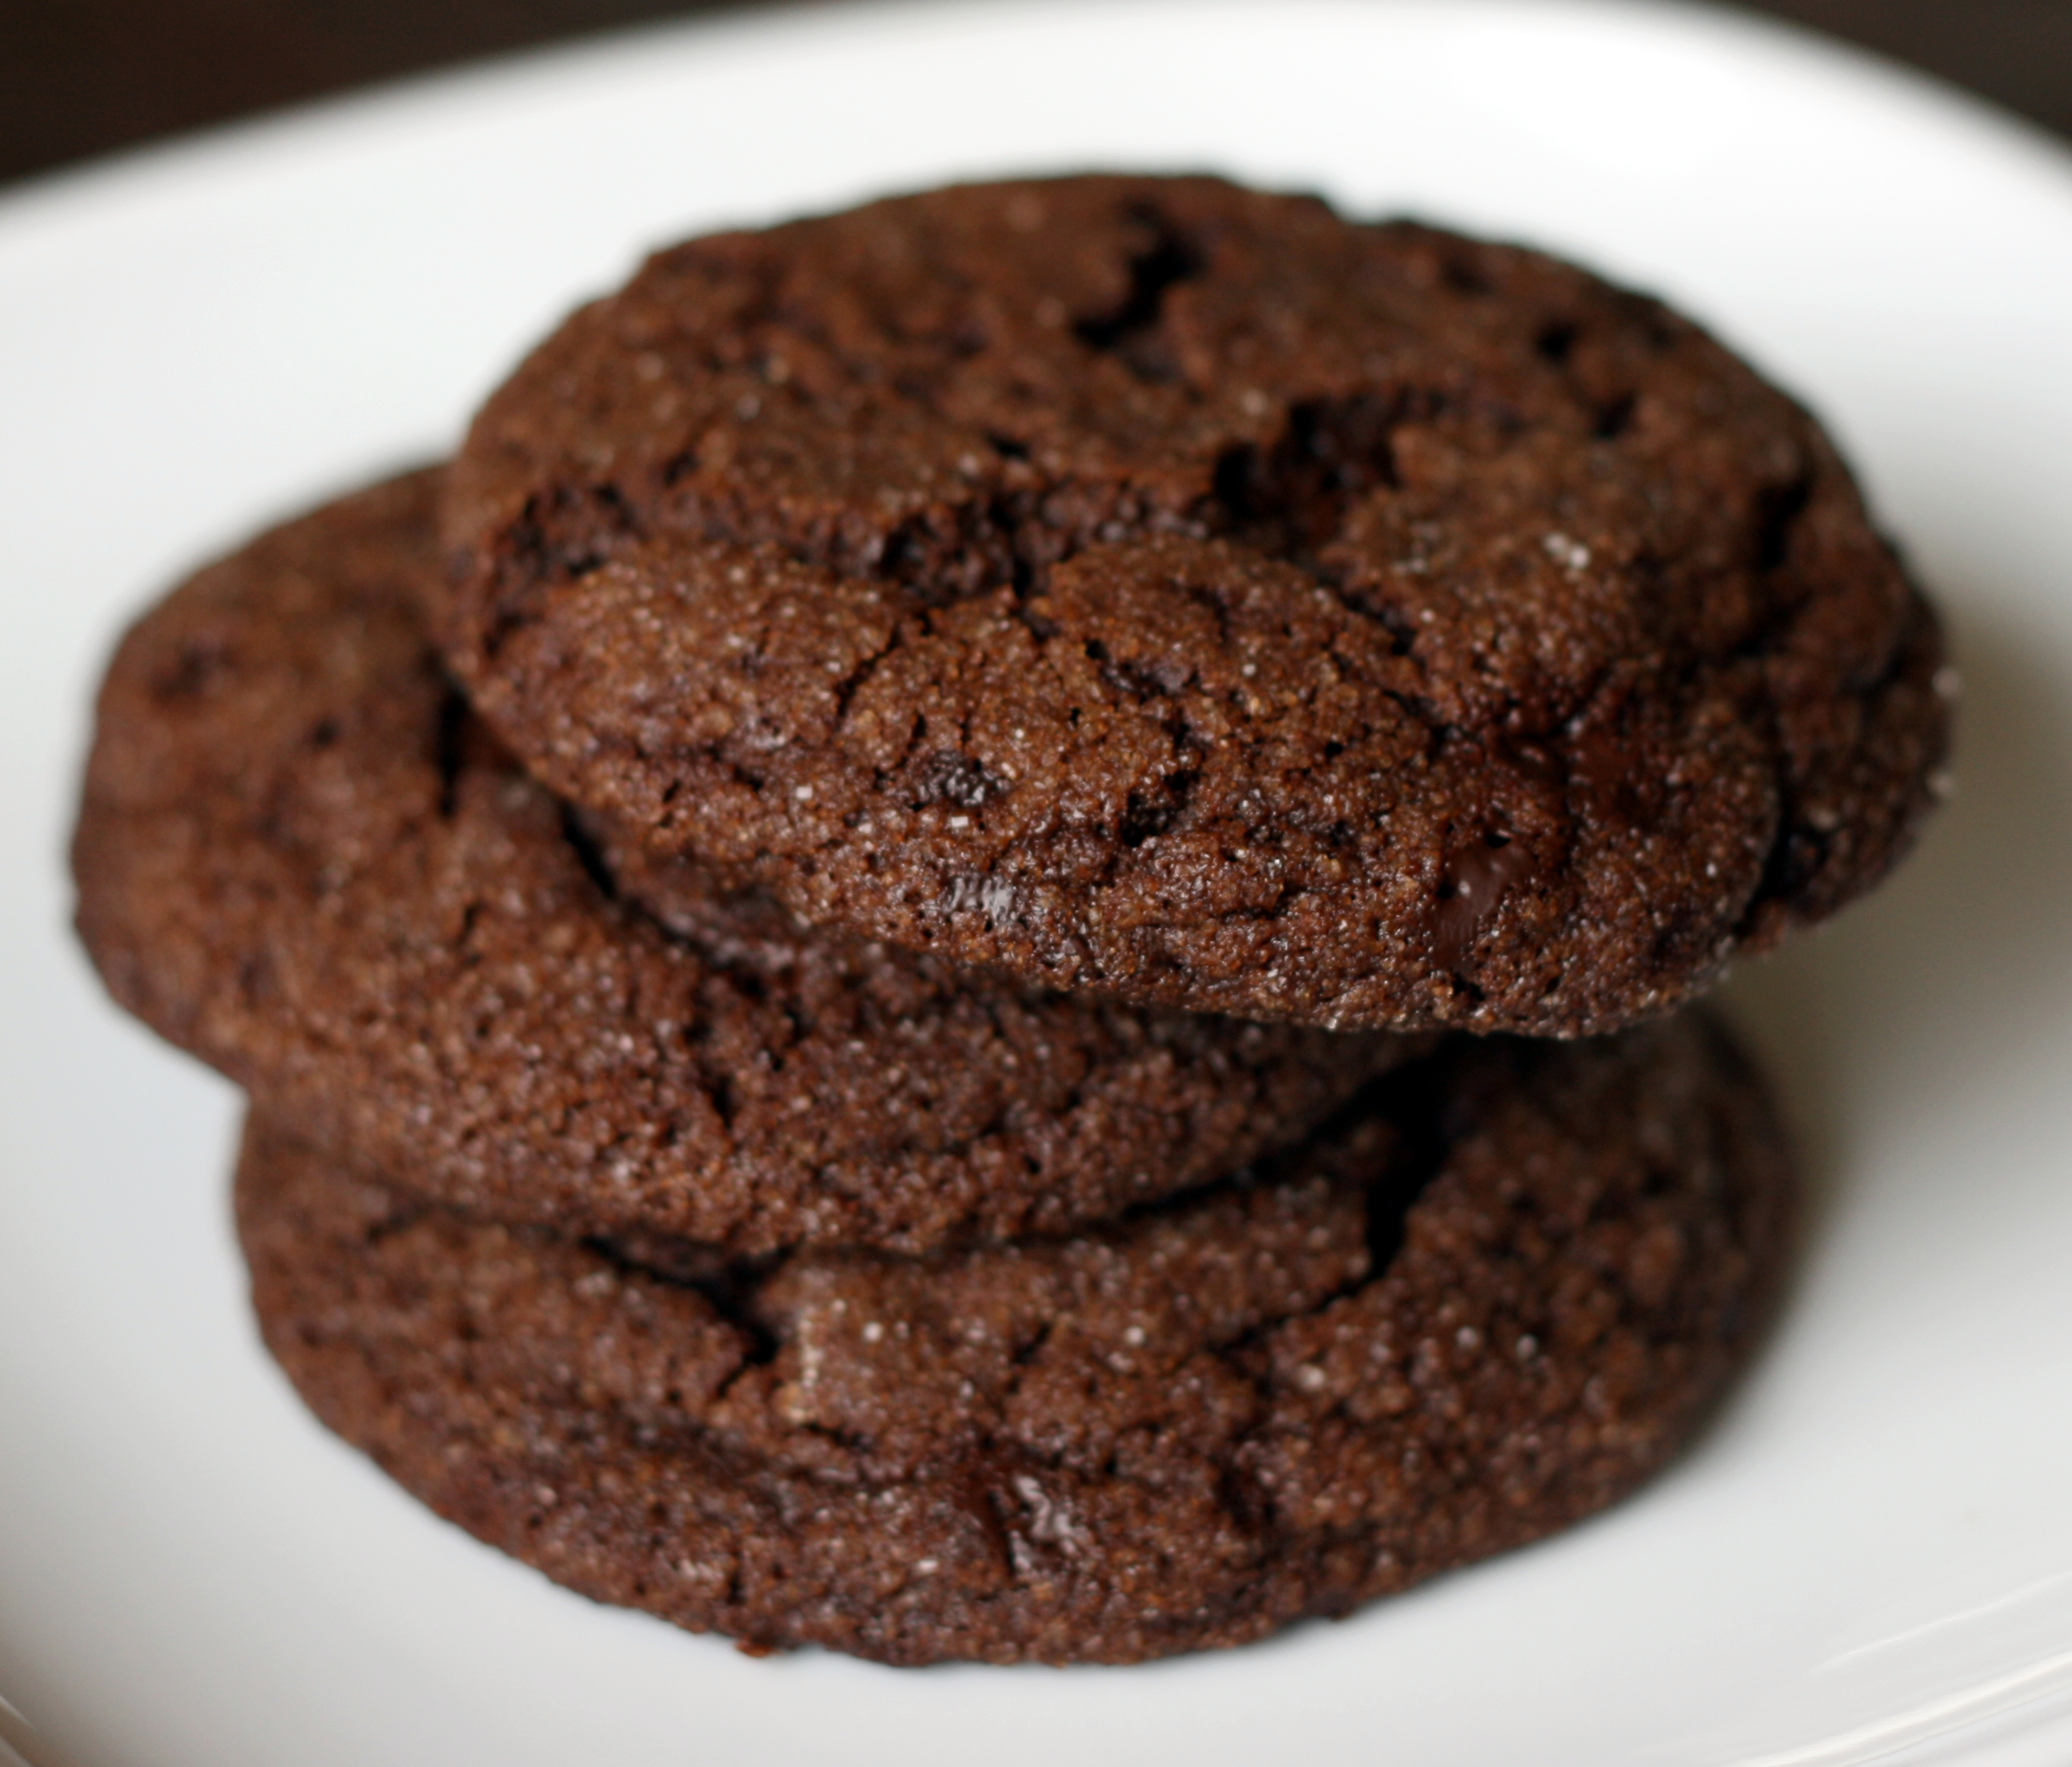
(1492, 1298)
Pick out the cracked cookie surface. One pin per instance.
(299, 857)
(1150, 586)
(1488, 1301)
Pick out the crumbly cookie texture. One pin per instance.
(1151, 585)
(1489, 1301)
(301, 858)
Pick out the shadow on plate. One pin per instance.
(1961, 966)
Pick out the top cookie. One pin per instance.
(1152, 585)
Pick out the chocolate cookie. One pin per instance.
(301, 859)
(1495, 1298)
(1151, 585)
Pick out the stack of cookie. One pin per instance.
(864, 942)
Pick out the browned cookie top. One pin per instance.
(1150, 585)
(1491, 1301)
(301, 859)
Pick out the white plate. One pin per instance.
(1872, 1550)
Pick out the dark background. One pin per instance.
(79, 77)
